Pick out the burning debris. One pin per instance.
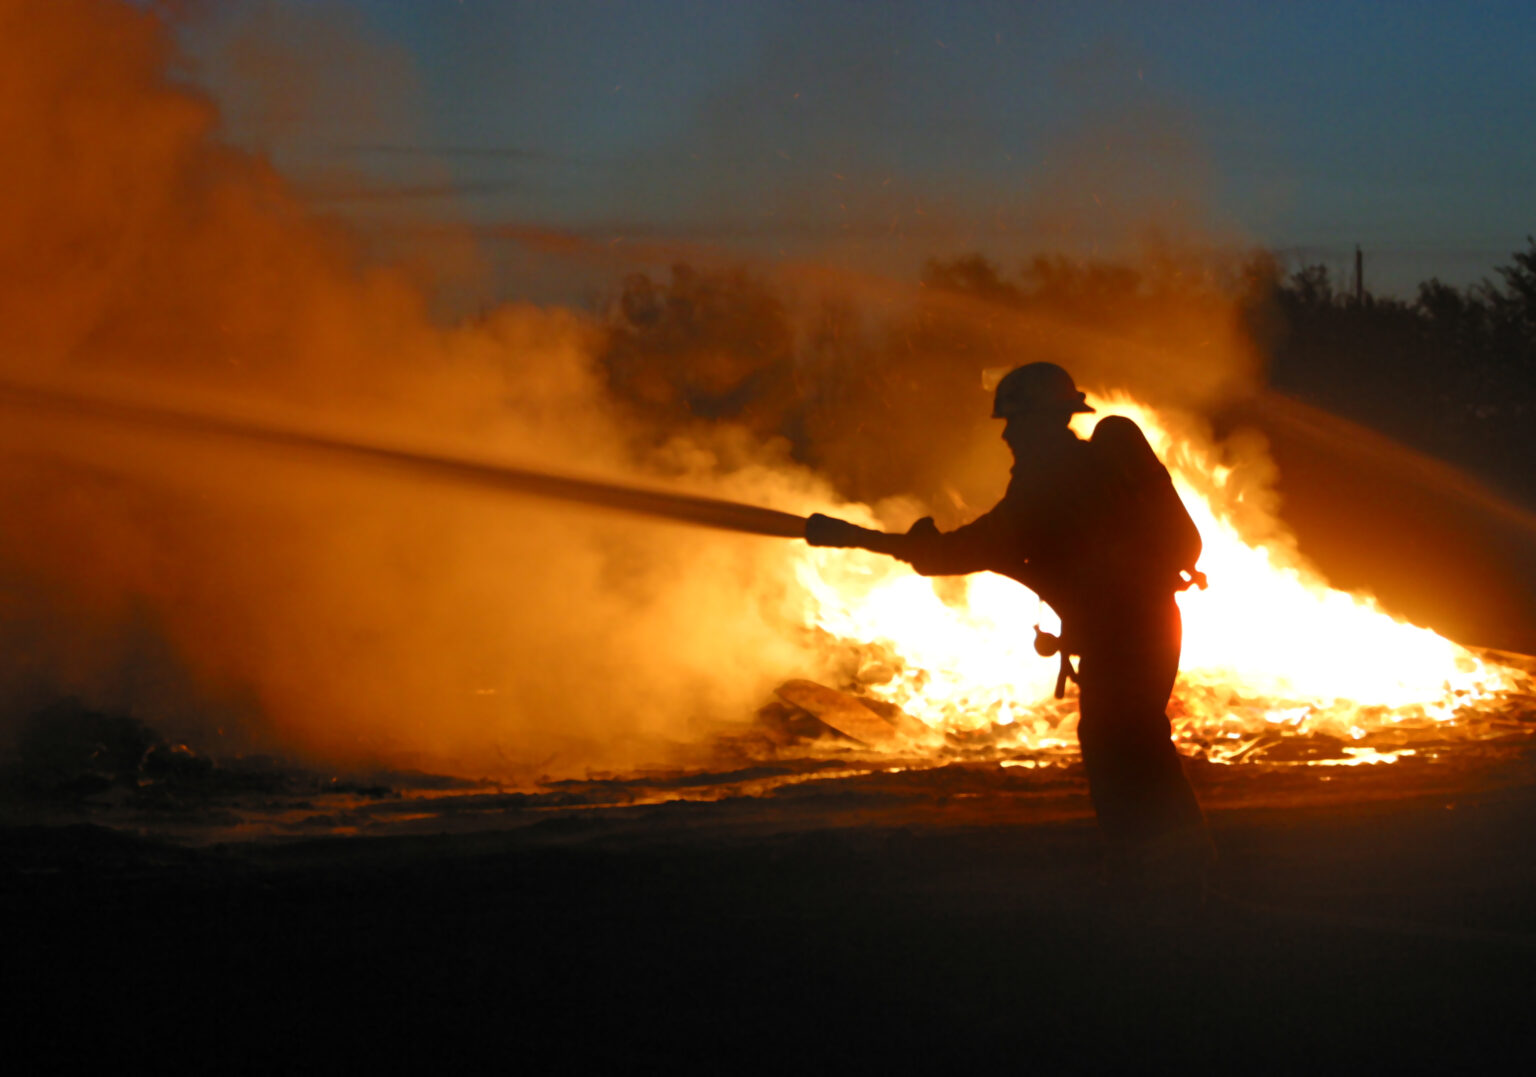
(812, 720)
(870, 722)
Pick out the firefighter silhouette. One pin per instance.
(1095, 528)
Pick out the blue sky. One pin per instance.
(883, 133)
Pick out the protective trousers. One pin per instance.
(1125, 676)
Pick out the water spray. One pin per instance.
(639, 501)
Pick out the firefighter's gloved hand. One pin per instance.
(918, 543)
(830, 531)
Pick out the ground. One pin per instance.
(1369, 916)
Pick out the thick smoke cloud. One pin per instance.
(243, 599)
(246, 600)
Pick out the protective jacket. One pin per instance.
(1095, 532)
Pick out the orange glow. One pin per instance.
(1269, 649)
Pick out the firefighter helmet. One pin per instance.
(1037, 387)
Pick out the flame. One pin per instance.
(1270, 650)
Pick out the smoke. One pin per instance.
(245, 599)
(254, 599)
(879, 386)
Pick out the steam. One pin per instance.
(246, 598)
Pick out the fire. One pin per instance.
(1270, 650)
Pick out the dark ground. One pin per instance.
(1375, 917)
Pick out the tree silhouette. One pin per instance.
(883, 401)
(1452, 372)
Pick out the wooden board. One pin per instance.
(841, 711)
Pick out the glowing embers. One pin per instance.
(1278, 667)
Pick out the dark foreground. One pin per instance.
(920, 924)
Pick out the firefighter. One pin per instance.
(1095, 528)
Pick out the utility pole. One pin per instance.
(1359, 277)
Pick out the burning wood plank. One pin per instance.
(843, 712)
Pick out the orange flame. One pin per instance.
(1270, 649)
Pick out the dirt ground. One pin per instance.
(1378, 917)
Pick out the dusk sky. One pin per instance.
(881, 134)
